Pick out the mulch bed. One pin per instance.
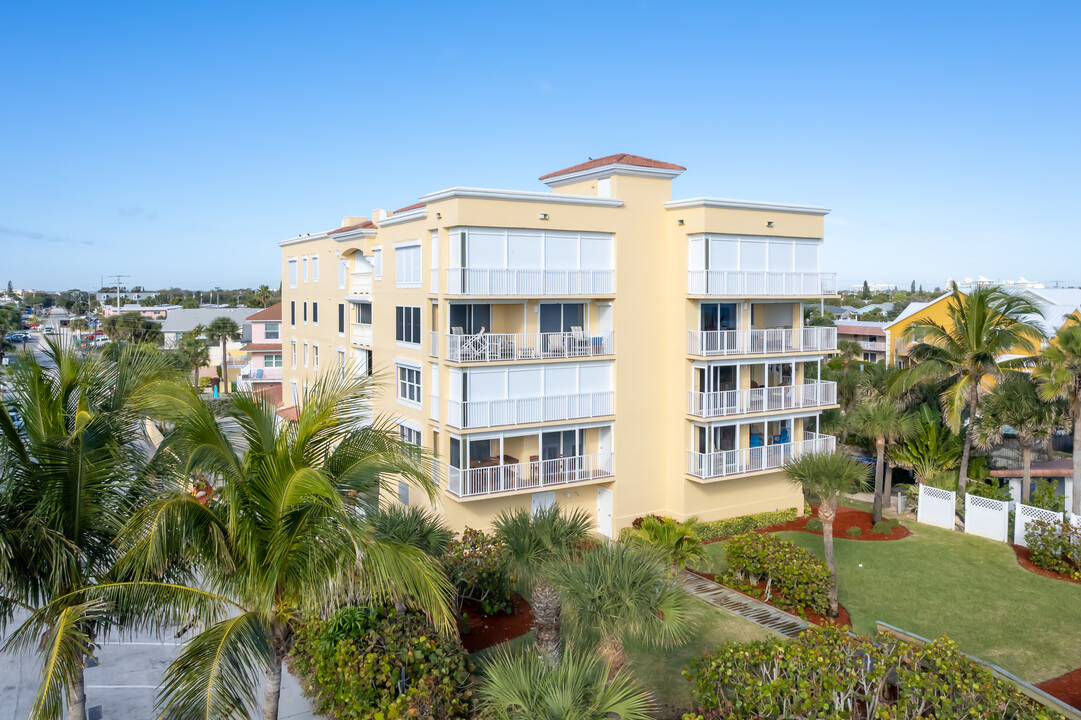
(843, 618)
(1066, 688)
(488, 630)
(1024, 559)
(846, 518)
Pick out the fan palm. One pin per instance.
(286, 531)
(192, 350)
(413, 525)
(223, 330)
(677, 540)
(830, 477)
(883, 420)
(982, 327)
(534, 543)
(1059, 374)
(616, 594)
(849, 350)
(524, 687)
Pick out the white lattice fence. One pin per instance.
(936, 507)
(1075, 520)
(1028, 514)
(987, 518)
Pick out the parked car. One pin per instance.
(50, 330)
(17, 337)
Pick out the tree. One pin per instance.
(79, 324)
(866, 292)
(286, 531)
(222, 330)
(11, 289)
(71, 472)
(1015, 403)
(524, 687)
(830, 477)
(677, 540)
(885, 421)
(193, 351)
(1059, 375)
(413, 525)
(849, 350)
(262, 295)
(618, 593)
(983, 326)
(913, 288)
(133, 328)
(535, 541)
(933, 448)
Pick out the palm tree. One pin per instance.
(71, 472)
(222, 330)
(1015, 403)
(677, 540)
(932, 450)
(413, 525)
(193, 351)
(849, 350)
(285, 532)
(534, 542)
(1059, 374)
(615, 594)
(262, 295)
(883, 420)
(79, 324)
(983, 326)
(524, 687)
(830, 477)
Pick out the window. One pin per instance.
(305, 316)
(315, 356)
(410, 434)
(272, 331)
(272, 361)
(363, 313)
(315, 268)
(403, 492)
(293, 347)
(293, 313)
(341, 318)
(304, 262)
(377, 262)
(315, 313)
(407, 266)
(293, 273)
(409, 384)
(341, 364)
(294, 384)
(305, 356)
(343, 267)
(407, 324)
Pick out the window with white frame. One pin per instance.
(304, 317)
(403, 492)
(293, 313)
(305, 356)
(315, 356)
(293, 383)
(341, 319)
(409, 384)
(315, 268)
(292, 273)
(271, 331)
(304, 264)
(272, 361)
(341, 363)
(363, 313)
(407, 324)
(293, 347)
(343, 269)
(410, 434)
(315, 313)
(377, 262)
(407, 265)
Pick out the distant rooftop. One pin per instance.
(617, 159)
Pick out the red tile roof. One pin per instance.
(270, 393)
(289, 413)
(414, 206)
(367, 224)
(620, 159)
(847, 329)
(274, 312)
(262, 347)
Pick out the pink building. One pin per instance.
(263, 373)
(870, 335)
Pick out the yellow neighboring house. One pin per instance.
(598, 345)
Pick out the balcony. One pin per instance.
(529, 282)
(758, 400)
(517, 411)
(529, 475)
(361, 283)
(263, 374)
(873, 346)
(746, 283)
(746, 460)
(718, 343)
(360, 334)
(505, 347)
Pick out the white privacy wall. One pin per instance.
(936, 507)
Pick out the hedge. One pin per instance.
(827, 673)
(796, 575)
(717, 529)
(1055, 547)
(478, 567)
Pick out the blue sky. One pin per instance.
(178, 142)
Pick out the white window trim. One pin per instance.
(343, 273)
(377, 269)
(304, 263)
(294, 262)
(315, 268)
(315, 356)
(408, 365)
(293, 358)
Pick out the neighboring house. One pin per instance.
(883, 307)
(600, 346)
(840, 312)
(106, 297)
(870, 335)
(184, 320)
(153, 312)
(263, 372)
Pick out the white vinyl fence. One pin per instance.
(987, 518)
(1027, 514)
(1075, 520)
(936, 507)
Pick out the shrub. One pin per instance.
(355, 663)
(853, 531)
(814, 524)
(796, 575)
(894, 522)
(828, 673)
(637, 523)
(883, 527)
(205, 382)
(1055, 547)
(717, 529)
(1044, 496)
(478, 567)
(989, 489)
(677, 540)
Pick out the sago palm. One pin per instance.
(524, 687)
(222, 330)
(884, 421)
(1059, 375)
(677, 540)
(286, 531)
(619, 594)
(413, 525)
(535, 542)
(967, 350)
(830, 477)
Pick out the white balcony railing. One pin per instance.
(360, 334)
(741, 283)
(484, 281)
(263, 374)
(489, 413)
(873, 346)
(756, 400)
(529, 475)
(769, 457)
(362, 283)
(760, 342)
(494, 347)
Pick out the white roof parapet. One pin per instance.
(746, 205)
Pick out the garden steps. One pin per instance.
(745, 607)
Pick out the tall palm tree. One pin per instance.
(829, 476)
(1059, 374)
(534, 543)
(262, 295)
(615, 594)
(71, 472)
(1015, 403)
(883, 420)
(192, 350)
(983, 326)
(222, 330)
(285, 532)
(849, 350)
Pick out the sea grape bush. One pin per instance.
(478, 566)
(734, 526)
(1055, 547)
(795, 577)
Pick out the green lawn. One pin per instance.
(938, 582)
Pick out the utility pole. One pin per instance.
(118, 290)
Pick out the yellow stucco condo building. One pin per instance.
(597, 346)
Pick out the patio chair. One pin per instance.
(580, 340)
(259, 373)
(554, 344)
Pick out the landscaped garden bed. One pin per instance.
(847, 518)
(479, 630)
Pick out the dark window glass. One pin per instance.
(341, 317)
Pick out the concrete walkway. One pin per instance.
(742, 606)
